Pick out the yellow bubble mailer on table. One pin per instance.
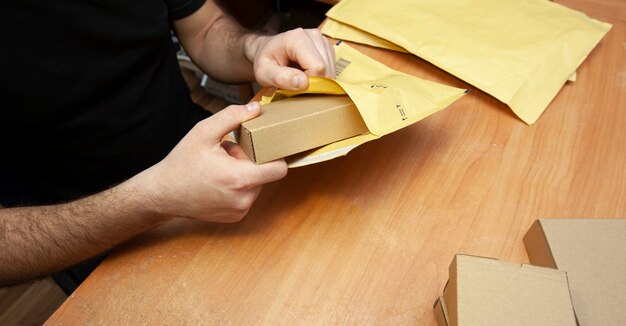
(519, 51)
(345, 32)
(387, 100)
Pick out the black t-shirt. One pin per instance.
(90, 94)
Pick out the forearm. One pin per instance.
(227, 52)
(36, 241)
(218, 44)
(229, 62)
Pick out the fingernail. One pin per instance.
(298, 81)
(252, 106)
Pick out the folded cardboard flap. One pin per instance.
(441, 312)
(297, 124)
(593, 253)
(487, 291)
(537, 247)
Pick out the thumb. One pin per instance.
(228, 119)
(282, 77)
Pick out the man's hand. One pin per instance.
(202, 178)
(273, 55)
(206, 178)
(228, 52)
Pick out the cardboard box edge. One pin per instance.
(246, 142)
(445, 307)
(256, 132)
(441, 313)
(450, 293)
(537, 246)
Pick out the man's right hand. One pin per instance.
(207, 178)
(202, 178)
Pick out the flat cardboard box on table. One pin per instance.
(487, 291)
(297, 124)
(593, 253)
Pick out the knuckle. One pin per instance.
(229, 110)
(258, 70)
(319, 67)
(232, 218)
(280, 77)
(284, 168)
(249, 199)
(260, 65)
(246, 201)
(262, 76)
(238, 217)
(242, 205)
(202, 124)
(230, 113)
(297, 32)
(238, 212)
(237, 182)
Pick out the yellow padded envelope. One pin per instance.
(521, 52)
(345, 32)
(387, 100)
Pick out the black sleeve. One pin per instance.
(179, 9)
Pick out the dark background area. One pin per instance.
(278, 15)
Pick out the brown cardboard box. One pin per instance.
(486, 291)
(297, 124)
(593, 253)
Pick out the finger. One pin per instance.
(321, 44)
(243, 201)
(316, 39)
(258, 175)
(217, 126)
(331, 55)
(234, 150)
(248, 199)
(292, 46)
(252, 194)
(272, 74)
(311, 56)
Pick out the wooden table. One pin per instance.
(368, 238)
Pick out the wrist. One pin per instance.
(145, 197)
(251, 45)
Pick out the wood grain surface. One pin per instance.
(30, 303)
(368, 238)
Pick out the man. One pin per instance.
(94, 109)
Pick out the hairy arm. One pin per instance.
(228, 52)
(37, 241)
(216, 43)
(203, 178)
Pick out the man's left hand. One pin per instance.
(274, 58)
